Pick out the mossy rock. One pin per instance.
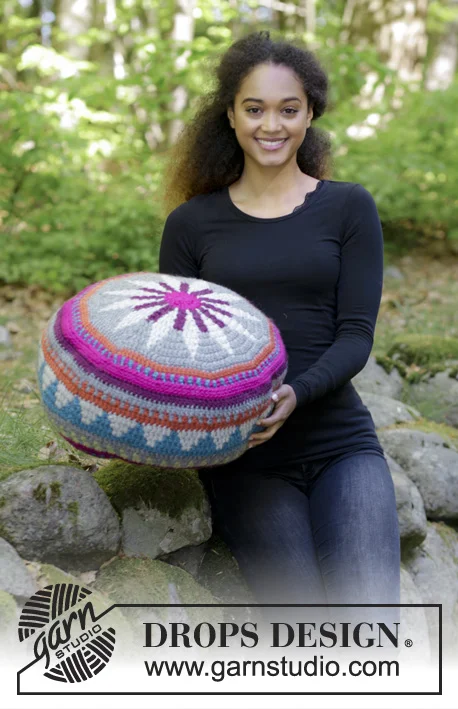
(220, 574)
(8, 612)
(448, 433)
(148, 581)
(388, 364)
(169, 491)
(424, 350)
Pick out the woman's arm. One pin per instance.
(177, 253)
(359, 291)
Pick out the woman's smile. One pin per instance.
(270, 144)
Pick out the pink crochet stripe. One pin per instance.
(129, 374)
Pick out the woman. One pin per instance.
(309, 511)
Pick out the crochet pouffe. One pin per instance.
(161, 370)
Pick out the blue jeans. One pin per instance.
(319, 532)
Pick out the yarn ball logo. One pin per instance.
(66, 633)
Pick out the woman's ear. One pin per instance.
(230, 115)
(309, 117)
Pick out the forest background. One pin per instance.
(93, 93)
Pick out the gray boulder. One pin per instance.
(414, 624)
(440, 394)
(59, 514)
(375, 380)
(393, 272)
(187, 558)
(147, 531)
(410, 507)
(5, 337)
(431, 464)
(434, 569)
(147, 581)
(9, 615)
(161, 510)
(386, 411)
(15, 578)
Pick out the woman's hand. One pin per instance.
(286, 402)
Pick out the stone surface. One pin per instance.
(147, 581)
(15, 578)
(414, 624)
(375, 380)
(386, 411)
(440, 394)
(148, 532)
(433, 567)
(59, 514)
(5, 337)
(431, 464)
(187, 558)
(9, 615)
(410, 508)
(393, 272)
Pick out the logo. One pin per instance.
(67, 633)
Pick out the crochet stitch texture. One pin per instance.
(161, 370)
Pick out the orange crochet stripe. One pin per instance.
(81, 389)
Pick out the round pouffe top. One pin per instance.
(159, 369)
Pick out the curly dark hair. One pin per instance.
(207, 155)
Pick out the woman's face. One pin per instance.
(270, 117)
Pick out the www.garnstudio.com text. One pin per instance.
(314, 667)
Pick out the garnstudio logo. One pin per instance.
(68, 633)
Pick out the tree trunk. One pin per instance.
(442, 68)
(396, 28)
(182, 33)
(75, 18)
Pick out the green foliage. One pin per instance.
(82, 146)
(410, 168)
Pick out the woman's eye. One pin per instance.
(255, 108)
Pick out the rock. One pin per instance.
(409, 504)
(386, 411)
(58, 514)
(393, 272)
(9, 354)
(148, 532)
(147, 581)
(440, 394)
(414, 624)
(431, 464)
(434, 568)
(161, 510)
(5, 337)
(410, 507)
(15, 578)
(24, 386)
(9, 614)
(220, 574)
(187, 558)
(13, 327)
(373, 379)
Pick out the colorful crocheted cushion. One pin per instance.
(159, 369)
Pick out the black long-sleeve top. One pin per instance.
(318, 273)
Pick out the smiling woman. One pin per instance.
(309, 511)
